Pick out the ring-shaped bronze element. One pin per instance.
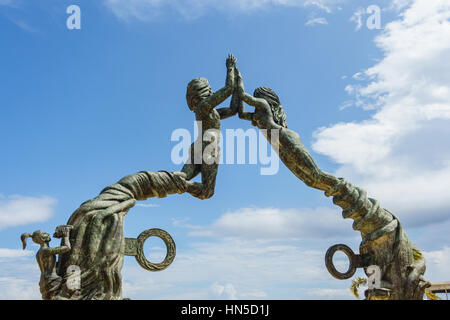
(351, 257)
(170, 245)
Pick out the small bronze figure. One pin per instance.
(203, 101)
(50, 281)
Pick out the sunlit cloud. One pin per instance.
(400, 154)
(145, 10)
(20, 210)
(316, 21)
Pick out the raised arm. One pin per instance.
(240, 96)
(222, 94)
(249, 99)
(64, 232)
(236, 104)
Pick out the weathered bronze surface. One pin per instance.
(93, 240)
(384, 241)
(203, 101)
(97, 246)
(50, 282)
(135, 247)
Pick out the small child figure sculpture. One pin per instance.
(50, 281)
(204, 153)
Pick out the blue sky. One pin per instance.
(83, 108)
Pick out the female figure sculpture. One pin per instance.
(384, 241)
(50, 282)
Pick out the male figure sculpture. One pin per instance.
(204, 153)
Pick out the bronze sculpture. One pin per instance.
(203, 101)
(50, 282)
(384, 241)
(97, 245)
(93, 239)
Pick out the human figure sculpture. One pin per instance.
(384, 242)
(50, 282)
(270, 117)
(93, 239)
(97, 239)
(204, 153)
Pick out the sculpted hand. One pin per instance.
(62, 231)
(239, 82)
(231, 61)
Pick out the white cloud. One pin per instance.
(232, 268)
(326, 293)
(225, 292)
(316, 21)
(19, 210)
(438, 265)
(14, 253)
(147, 205)
(357, 17)
(224, 269)
(235, 269)
(399, 4)
(18, 289)
(401, 154)
(19, 279)
(274, 223)
(253, 253)
(321, 4)
(145, 10)
(254, 294)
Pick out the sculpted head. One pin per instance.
(197, 90)
(38, 237)
(279, 116)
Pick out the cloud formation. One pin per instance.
(357, 18)
(225, 292)
(145, 10)
(253, 263)
(401, 154)
(316, 21)
(20, 275)
(274, 223)
(19, 210)
(438, 263)
(236, 269)
(14, 253)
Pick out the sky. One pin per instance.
(82, 108)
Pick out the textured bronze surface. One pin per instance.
(384, 241)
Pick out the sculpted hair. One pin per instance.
(196, 90)
(279, 116)
(35, 236)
